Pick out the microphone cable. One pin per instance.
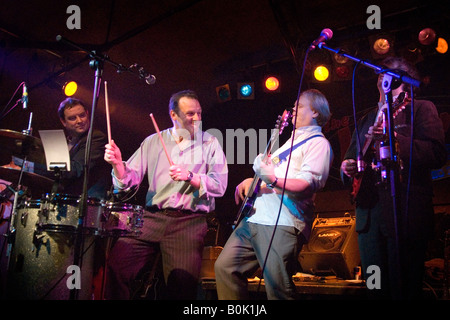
(411, 143)
(359, 154)
(287, 170)
(5, 112)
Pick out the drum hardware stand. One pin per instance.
(18, 192)
(149, 280)
(29, 129)
(57, 168)
(10, 235)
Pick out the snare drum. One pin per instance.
(122, 219)
(60, 213)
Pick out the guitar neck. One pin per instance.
(269, 146)
(256, 182)
(397, 106)
(367, 144)
(369, 141)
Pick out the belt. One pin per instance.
(171, 212)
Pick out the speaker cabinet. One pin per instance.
(332, 248)
(210, 255)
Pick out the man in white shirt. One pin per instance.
(248, 246)
(177, 200)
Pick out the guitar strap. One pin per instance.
(283, 155)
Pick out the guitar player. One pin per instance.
(249, 246)
(398, 246)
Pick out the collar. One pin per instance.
(307, 130)
(178, 135)
(183, 138)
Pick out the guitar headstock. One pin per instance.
(283, 121)
(400, 103)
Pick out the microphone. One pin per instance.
(149, 78)
(326, 34)
(25, 97)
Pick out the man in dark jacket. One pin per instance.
(74, 116)
(395, 241)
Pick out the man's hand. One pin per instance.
(264, 169)
(112, 154)
(242, 190)
(178, 173)
(348, 167)
(375, 132)
(114, 157)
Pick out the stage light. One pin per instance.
(223, 93)
(321, 73)
(339, 58)
(442, 46)
(246, 90)
(272, 84)
(342, 72)
(70, 88)
(427, 36)
(381, 46)
(340, 65)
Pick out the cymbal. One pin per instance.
(33, 181)
(20, 145)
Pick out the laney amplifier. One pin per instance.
(332, 248)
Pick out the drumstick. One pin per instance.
(161, 139)
(107, 113)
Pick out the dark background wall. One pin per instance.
(201, 45)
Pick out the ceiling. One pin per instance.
(198, 45)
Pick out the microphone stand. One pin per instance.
(378, 69)
(392, 164)
(96, 63)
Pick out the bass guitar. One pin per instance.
(250, 197)
(397, 107)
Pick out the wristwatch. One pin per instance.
(273, 184)
(190, 176)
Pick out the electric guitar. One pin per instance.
(398, 106)
(250, 197)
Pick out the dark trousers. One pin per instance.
(245, 251)
(398, 252)
(180, 242)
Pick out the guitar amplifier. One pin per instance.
(332, 248)
(210, 255)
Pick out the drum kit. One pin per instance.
(38, 235)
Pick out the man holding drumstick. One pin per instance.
(186, 170)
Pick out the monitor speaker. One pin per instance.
(332, 248)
